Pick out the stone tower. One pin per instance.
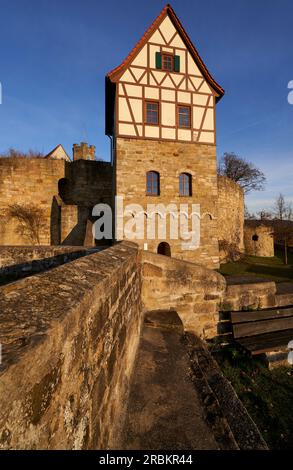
(160, 114)
(83, 152)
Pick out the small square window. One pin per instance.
(184, 120)
(152, 112)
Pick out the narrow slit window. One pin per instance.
(152, 112)
(184, 119)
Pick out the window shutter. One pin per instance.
(158, 60)
(176, 63)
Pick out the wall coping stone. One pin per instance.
(31, 306)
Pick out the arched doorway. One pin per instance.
(164, 249)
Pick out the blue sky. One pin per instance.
(54, 56)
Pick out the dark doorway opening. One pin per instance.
(164, 249)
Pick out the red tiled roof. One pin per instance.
(115, 74)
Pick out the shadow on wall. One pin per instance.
(70, 224)
(85, 184)
(73, 225)
(55, 222)
(77, 234)
(18, 271)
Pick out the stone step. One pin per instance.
(166, 319)
(283, 300)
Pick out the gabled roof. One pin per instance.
(115, 74)
(59, 146)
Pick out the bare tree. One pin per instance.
(282, 209)
(242, 172)
(13, 153)
(283, 225)
(265, 215)
(30, 220)
(247, 214)
(283, 235)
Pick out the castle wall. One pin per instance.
(27, 181)
(73, 224)
(194, 292)
(87, 183)
(66, 371)
(68, 352)
(38, 182)
(11, 255)
(259, 240)
(134, 158)
(19, 262)
(230, 218)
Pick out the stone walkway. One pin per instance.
(164, 410)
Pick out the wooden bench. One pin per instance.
(263, 330)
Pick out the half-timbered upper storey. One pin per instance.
(162, 90)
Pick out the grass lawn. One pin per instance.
(266, 394)
(268, 268)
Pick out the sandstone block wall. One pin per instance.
(68, 352)
(134, 158)
(87, 183)
(13, 255)
(69, 338)
(259, 240)
(230, 217)
(83, 151)
(19, 262)
(27, 181)
(194, 292)
(50, 185)
(73, 224)
(249, 295)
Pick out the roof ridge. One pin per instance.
(116, 72)
(55, 148)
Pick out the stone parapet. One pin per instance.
(69, 338)
(193, 291)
